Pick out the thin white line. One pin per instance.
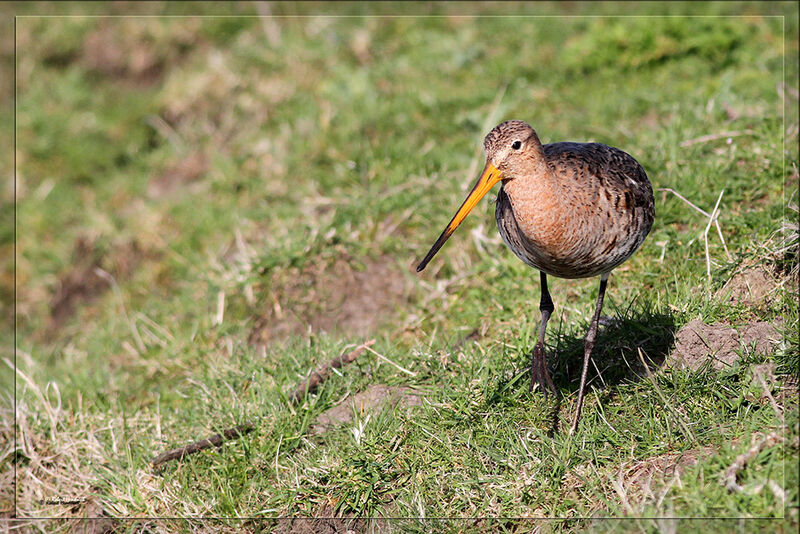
(783, 111)
(387, 360)
(522, 16)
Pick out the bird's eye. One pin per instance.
(516, 145)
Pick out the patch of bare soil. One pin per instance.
(106, 52)
(372, 399)
(178, 175)
(751, 287)
(331, 298)
(87, 278)
(696, 343)
(134, 52)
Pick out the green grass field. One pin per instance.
(208, 208)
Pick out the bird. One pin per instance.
(570, 210)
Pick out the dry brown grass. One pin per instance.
(56, 451)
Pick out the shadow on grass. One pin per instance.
(628, 346)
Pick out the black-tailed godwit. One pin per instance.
(571, 210)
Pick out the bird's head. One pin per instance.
(509, 148)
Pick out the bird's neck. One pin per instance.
(535, 183)
(534, 195)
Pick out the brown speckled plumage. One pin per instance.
(571, 210)
(581, 214)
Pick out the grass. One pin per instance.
(254, 194)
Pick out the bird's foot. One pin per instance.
(539, 374)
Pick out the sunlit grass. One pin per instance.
(334, 150)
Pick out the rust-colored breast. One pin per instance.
(597, 213)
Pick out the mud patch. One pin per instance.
(178, 175)
(697, 343)
(750, 287)
(370, 400)
(331, 298)
(84, 281)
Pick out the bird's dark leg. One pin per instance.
(539, 374)
(588, 345)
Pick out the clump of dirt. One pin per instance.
(696, 343)
(335, 297)
(751, 287)
(372, 399)
(85, 280)
(186, 171)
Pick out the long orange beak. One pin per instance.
(489, 177)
